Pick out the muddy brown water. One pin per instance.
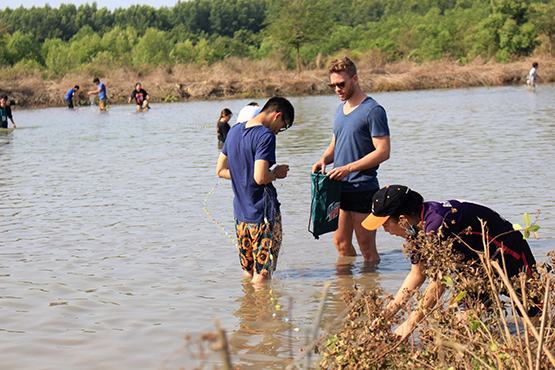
(110, 257)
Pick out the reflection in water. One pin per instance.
(107, 258)
(352, 274)
(262, 335)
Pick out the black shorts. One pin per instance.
(359, 201)
(4, 124)
(69, 103)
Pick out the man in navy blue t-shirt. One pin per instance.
(360, 142)
(70, 94)
(246, 158)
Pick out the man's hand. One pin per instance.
(319, 166)
(339, 173)
(280, 171)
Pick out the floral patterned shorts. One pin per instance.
(259, 245)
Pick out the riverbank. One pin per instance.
(236, 78)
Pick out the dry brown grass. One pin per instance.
(459, 332)
(240, 78)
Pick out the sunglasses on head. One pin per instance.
(341, 85)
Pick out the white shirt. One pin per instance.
(247, 112)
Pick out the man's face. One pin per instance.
(138, 87)
(279, 124)
(2, 102)
(343, 85)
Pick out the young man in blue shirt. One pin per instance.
(101, 92)
(246, 158)
(360, 142)
(70, 94)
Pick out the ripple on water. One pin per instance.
(109, 259)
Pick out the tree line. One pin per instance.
(298, 33)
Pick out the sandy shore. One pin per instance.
(236, 78)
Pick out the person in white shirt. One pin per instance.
(247, 112)
(532, 76)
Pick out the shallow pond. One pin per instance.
(115, 233)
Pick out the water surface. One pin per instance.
(115, 233)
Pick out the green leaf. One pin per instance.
(460, 296)
(474, 325)
(526, 218)
(534, 228)
(448, 281)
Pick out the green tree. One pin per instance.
(183, 52)
(152, 48)
(23, 46)
(295, 23)
(57, 57)
(120, 42)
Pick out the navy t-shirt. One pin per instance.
(243, 146)
(353, 140)
(69, 94)
(462, 221)
(102, 94)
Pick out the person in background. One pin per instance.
(532, 76)
(141, 98)
(246, 158)
(101, 93)
(70, 94)
(5, 112)
(223, 126)
(359, 144)
(247, 112)
(402, 212)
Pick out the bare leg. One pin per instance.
(260, 278)
(343, 236)
(366, 239)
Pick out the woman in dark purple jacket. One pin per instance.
(402, 212)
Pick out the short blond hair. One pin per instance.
(343, 65)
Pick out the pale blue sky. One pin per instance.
(110, 4)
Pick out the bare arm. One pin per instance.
(379, 155)
(222, 169)
(412, 282)
(263, 175)
(10, 117)
(326, 158)
(94, 92)
(433, 292)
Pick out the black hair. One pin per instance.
(535, 64)
(281, 105)
(4, 96)
(411, 206)
(225, 112)
(76, 87)
(96, 80)
(253, 103)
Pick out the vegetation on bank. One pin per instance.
(300, 34)
(463, 330)
(240, 78)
